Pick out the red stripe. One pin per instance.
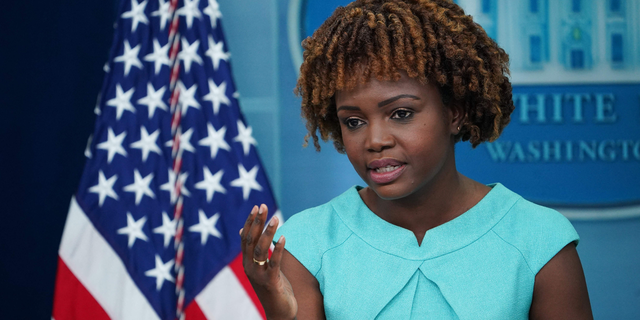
(193, 312)
(238, 270)
(71, 299)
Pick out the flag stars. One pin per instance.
(189, 54)
(206, 227)
(122, 101)
(245, 137)
(147, 143)
(159, 57)
(190, 11)
(216, 52)
(167, 229)
(113, 145)
(182, 180)
(211, 183)
(140, 186)
(170, 186)
(215, 140)
(164, 12)
(133, 230)
(217, 95)
(129, 57)
(161, 272)
(153, 100)
(213, 11)
(187, 97)
(136, 14)
(104, 188)
(247, 181)
(184, 142)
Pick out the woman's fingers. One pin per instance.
(244, 234)
(255, 243)
(276, 255)
(261, 250)
(256, 234)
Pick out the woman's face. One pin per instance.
(397, 135)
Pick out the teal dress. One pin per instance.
(480, 265)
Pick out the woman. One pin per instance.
(395, 84)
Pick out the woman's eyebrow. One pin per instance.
(390, 100)
(351, 108)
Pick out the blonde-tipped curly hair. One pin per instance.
(433, 41)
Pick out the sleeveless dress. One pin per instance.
(480, 265)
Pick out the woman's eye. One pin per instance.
(402, 114)
(352, 122)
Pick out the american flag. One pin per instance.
(172, 172)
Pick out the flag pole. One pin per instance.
(176, 115)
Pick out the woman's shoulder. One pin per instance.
(314, 231)
(538, 232)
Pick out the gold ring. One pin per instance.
(260, 263)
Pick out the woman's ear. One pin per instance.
(457, 117)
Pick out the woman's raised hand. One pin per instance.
(271, 286)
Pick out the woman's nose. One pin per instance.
(379, 137)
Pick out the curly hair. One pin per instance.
(432, 41)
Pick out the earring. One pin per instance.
(458, 128)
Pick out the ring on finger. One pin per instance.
(260, 263)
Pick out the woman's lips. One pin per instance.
(385, 170)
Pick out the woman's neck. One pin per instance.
(430, 206)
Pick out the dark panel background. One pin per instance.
(51, 56)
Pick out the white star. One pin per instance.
(215, 140)
(211, 183)
(217, 95)
(140, 186)
(216, 52)
(87, 150)
(161, 272)
(159, 57)
(244, 137)
(184, 143)
(113, 145)
(153, 100)
(190, 10)
(134, 229)
(164, 11)
(247, 181)
(213, 11)
(147, 143)
(189, 54)
(129, 57)
(96, 110)
(206, 226)
(136, 13)
(122, 101)
(182, 179)
(104, 188)
(170, 186)
(167, 229)
(187, 98)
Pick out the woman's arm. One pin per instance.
(305, 288)
(560, 290)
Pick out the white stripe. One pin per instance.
(293, 27)
(100, 270)
(626, 212)
(225, 298)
